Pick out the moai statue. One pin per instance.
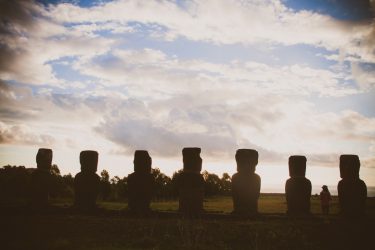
(246, 183)
(191, 183)
(87, 182)
(352, 190)
(141, 183)
(298, 187)
(41, 178)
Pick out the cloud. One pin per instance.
(17, 18)
(35, 36)
(11, 103)
(369, 162)
(37, 116)
(21, 134)
(250, 22)
(37, 107)
(277, 127)
(17, 15)
(326, 160)
(218, 121)
(355, 9)
(364, 78)
(30, 41)
(166, 126)
(136, 134)
(30, 56)
(152, 72)
(134, 127)
(306, 131)
(333, 160)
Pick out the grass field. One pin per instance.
(268, 203)
(73, 231)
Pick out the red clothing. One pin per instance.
(325, 197)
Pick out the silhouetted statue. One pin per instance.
(246, 183)
(298, 187)
(87, 182)
(352, 190)
(191, 183)
(141, 183)
(41, 178)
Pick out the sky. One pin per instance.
(284, 77)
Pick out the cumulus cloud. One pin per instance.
(333, 160)
(24, 135)
(30, 41)
(22, 105)
(135, 134)
(12, 101)
(17, 18)
(246, 22)
(368, 162)
(41, 117)
(35, 35)
(17, 15)
(135, 125)
(365, 78)
(152, 71)
(218, 121)
(274, 126)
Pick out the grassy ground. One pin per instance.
(72, 231)
(268, 203)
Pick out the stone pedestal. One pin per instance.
(141, 183)
(352, 190)
(246, 183)
(87, 182)
(298, 188)
(191, 183)
(41, 179)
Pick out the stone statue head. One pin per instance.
(297, 166)
(44, 158)
(89, 161)
(142, 161)
(192, 159)
(349, 166)
(246, 159)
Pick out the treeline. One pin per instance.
(15, 184)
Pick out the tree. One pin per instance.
(212, 183)
(225, 184)
(104, 175)
(105, 184)
(14, 183)
(115, 180)
(174, 183)
(58, 187)
(55, 170)
(119, 188)
(162, 184)
(68, 181)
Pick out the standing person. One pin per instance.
(325, 198)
